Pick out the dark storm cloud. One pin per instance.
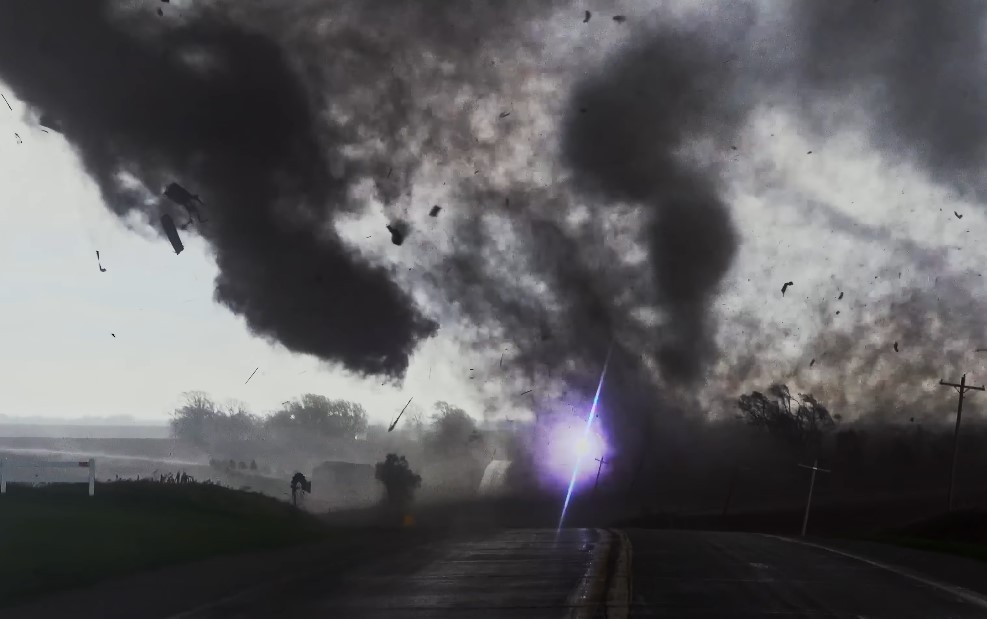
(916, 69)
(284, 115)
(625, 129)
(217, 107)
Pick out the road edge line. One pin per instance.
(588, 596)
(966, 595)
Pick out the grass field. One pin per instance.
(961, 533)
(57, 536)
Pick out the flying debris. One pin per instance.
(527, 392)
(8, 103)
(113, 334)
(812, 363)
(840, 298)
(101, 269)
(587, 17)
(19, 140)
(896, 346)
(505, 114)
(398, 418)
(160, 13)
(809, 153)
(172, 232)
(981, 350)
(619, 19)
(958, 216)
(251, 375)
(784, 288)
(183, 197)
(435, 211)
(398, 230)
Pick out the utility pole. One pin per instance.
(812, 485)
(961, 388)
(602, 460)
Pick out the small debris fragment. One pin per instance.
(113, 334)
(505, 114)
(19, 140)
(172, 233)
(837, 312)
(981, 350)
(527, 392)
(733, 148)
(251, 375)
(896, 346)
(958, 216)
(587, 17)
(784, 288)
(101, 269)
(840, 298)
(619, 19)
(812, 363)
(435, 211)
(809, 153)
(398, 230)
(8, 103)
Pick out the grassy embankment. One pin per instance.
(961, 533)
(57, 537)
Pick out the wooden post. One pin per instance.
(812, 485)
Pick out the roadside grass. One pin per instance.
(962, 533)
(56, 537)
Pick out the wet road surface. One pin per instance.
(704, 574)
(514, 573)
(528, 573)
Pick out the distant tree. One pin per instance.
(237, 423)
(195, 420)
(321, 416)
(400, 482)
(232, 464)
(800, 421)
(241, 465)
(453, 431)
(253, 465)
(201, 422)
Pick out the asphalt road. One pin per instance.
(702, 574)
(514, 573)
(577, 573)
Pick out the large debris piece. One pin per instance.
(172, 232)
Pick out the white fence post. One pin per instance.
(92, 476)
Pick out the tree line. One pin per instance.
(203, 422)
